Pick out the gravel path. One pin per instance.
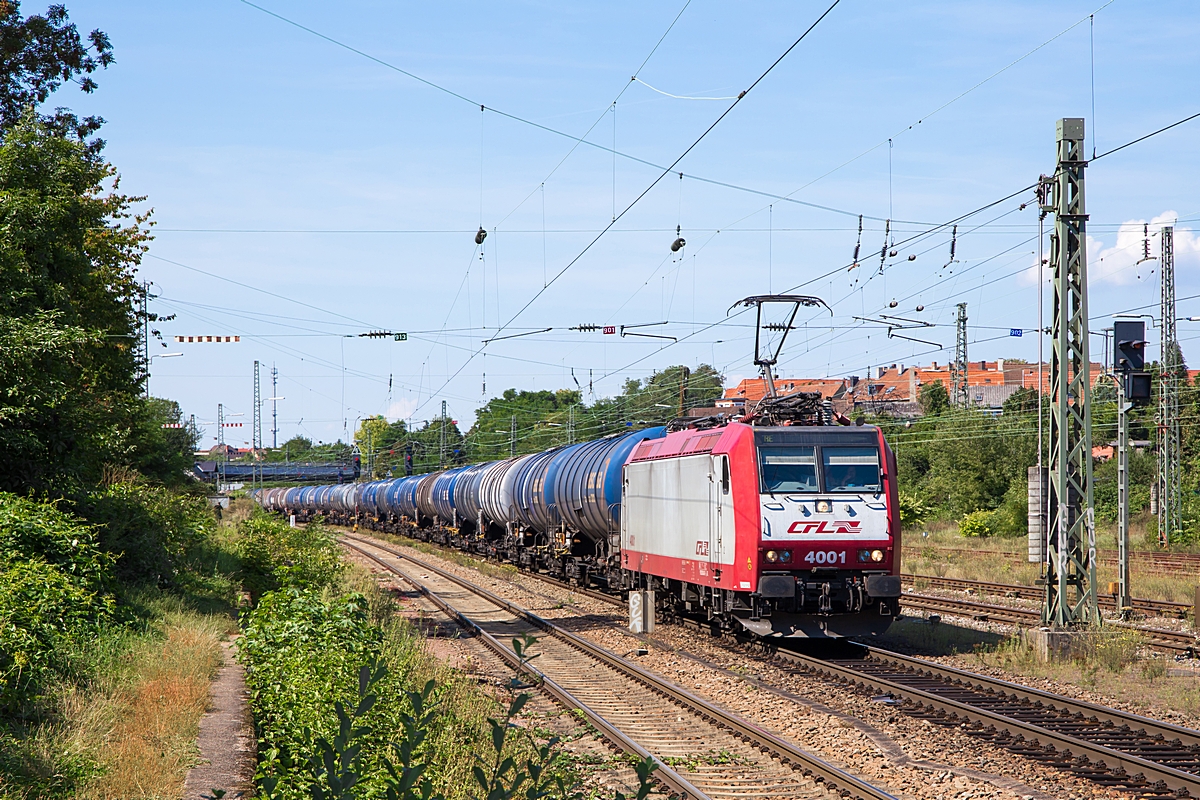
(228, 750)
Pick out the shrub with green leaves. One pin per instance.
(53, 578)
(302, 654)
(275, 555)
(913, 510)
(148, 528)
(977, 524)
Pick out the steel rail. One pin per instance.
(1123, 766)
(833, 778)
(1151, 560)
(1178, 641)
(1038, 696)
(1034, 698)
(1036, 592)
(678, 785)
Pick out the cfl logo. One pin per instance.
(825, 526)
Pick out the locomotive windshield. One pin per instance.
(851, 469)
(788, 469)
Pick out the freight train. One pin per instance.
(782, 530)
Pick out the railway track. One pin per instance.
(1109, 747)
(1156, 607)
(702, 751)
(1150, 560)
(1182, 642)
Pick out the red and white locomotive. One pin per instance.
(787, 531)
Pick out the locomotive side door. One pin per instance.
(721, 508)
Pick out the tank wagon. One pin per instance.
(782, 530)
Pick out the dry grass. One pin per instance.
(139, 724)
(240, 509)
(1115, 665)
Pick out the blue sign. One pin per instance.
(1015, 332)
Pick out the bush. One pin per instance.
(913, 510)
(302, 654)
(52, 590)
(275, 555)
(977, 524)
(147, 528)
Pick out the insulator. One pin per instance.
(893, 304)
(912, 257)
(479, 237)
(677, 245)
(920, 308)
(891, 254)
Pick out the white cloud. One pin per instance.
(1118, 265)
(1123, 263)
(401, 409)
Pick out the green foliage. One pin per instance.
(1143, 467)
(70, 378)
(41, 53)
(546, 419)
(148, 528)
(934, 398)
(1022, 401)
(977, 524)
(913, 511)
(303, 654)
(52, 590)
(1011, 517)
(963, 461)
(275, 555)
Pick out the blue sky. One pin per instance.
(347, 193)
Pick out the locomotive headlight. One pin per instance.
(785, 556)
(824, 506)
(864, 555)
(772, 556)
(877, 555)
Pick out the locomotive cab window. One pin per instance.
(851, 469)
(788, 469)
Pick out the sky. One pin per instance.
(318, 171)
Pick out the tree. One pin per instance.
(70, 376)
(934, 398)
(381, 445)
(1022, 401)
(37, 55)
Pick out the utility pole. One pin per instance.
(146, 333)
(1123, 407)
(1169, 493)
(1133, 387)
(221, 439)
(442, 439)
(1071, 546)
(256, 438)
(571, 424)
(512, 437)
(958, 370)
(274, 408)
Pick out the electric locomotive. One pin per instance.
(786, 531)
